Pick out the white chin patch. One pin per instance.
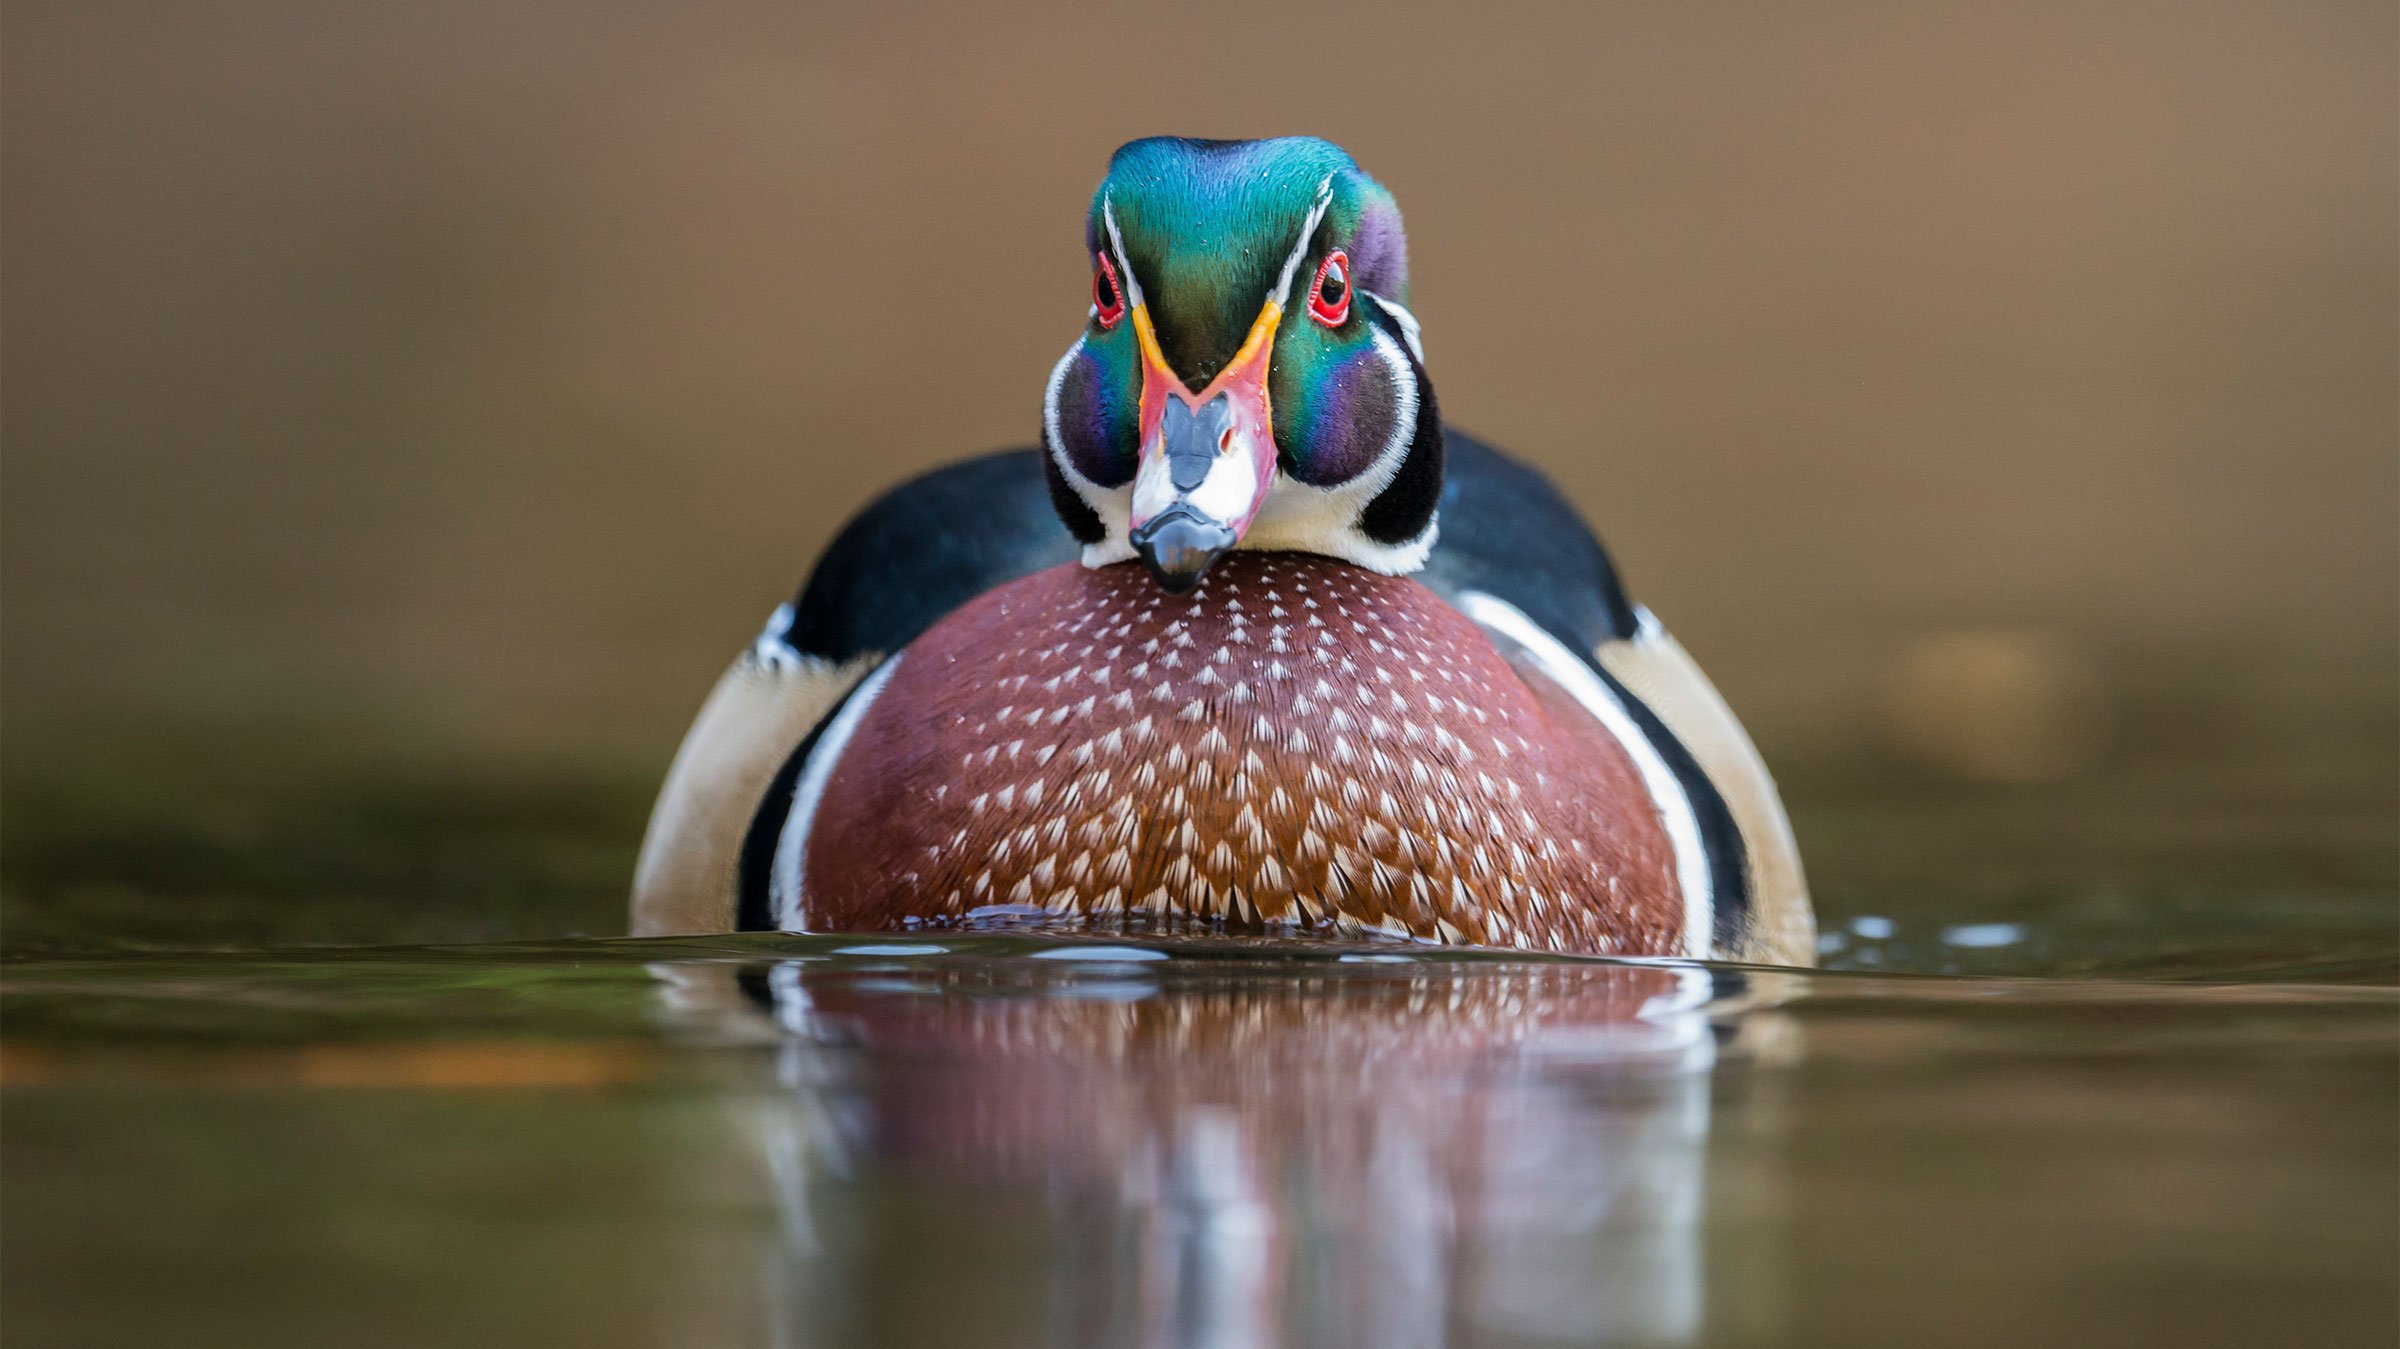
(1303, 519)
(1230, 490)
(1115, 548)
(1226, 495)
(1153, 488)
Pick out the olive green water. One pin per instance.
(2108, 1067)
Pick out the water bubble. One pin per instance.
(1984, 934)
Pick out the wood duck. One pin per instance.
(1300, 659)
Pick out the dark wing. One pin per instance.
(1508, 533)
(921, 550)
(925, 548)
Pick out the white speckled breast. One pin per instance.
(1299, 743)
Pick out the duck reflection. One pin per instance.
(1097, 1146)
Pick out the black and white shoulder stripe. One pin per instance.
(774, 855)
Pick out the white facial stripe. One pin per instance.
(1404, 416)
(1408, 325)
(1108, 505)
(1291, 264)
(1050, 437)
(1116, 245)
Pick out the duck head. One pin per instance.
(1249, 375)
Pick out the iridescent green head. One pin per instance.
(1248, 375)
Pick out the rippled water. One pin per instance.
(2078, 1099)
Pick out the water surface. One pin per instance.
(2111, 1084)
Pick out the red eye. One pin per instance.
(1329, 299)
(1108, 299)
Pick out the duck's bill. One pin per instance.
(1206, 459)
(1202, 474)
(1179, 544)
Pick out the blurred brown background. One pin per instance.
(480, 374)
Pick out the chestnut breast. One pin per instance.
(1299, 743)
